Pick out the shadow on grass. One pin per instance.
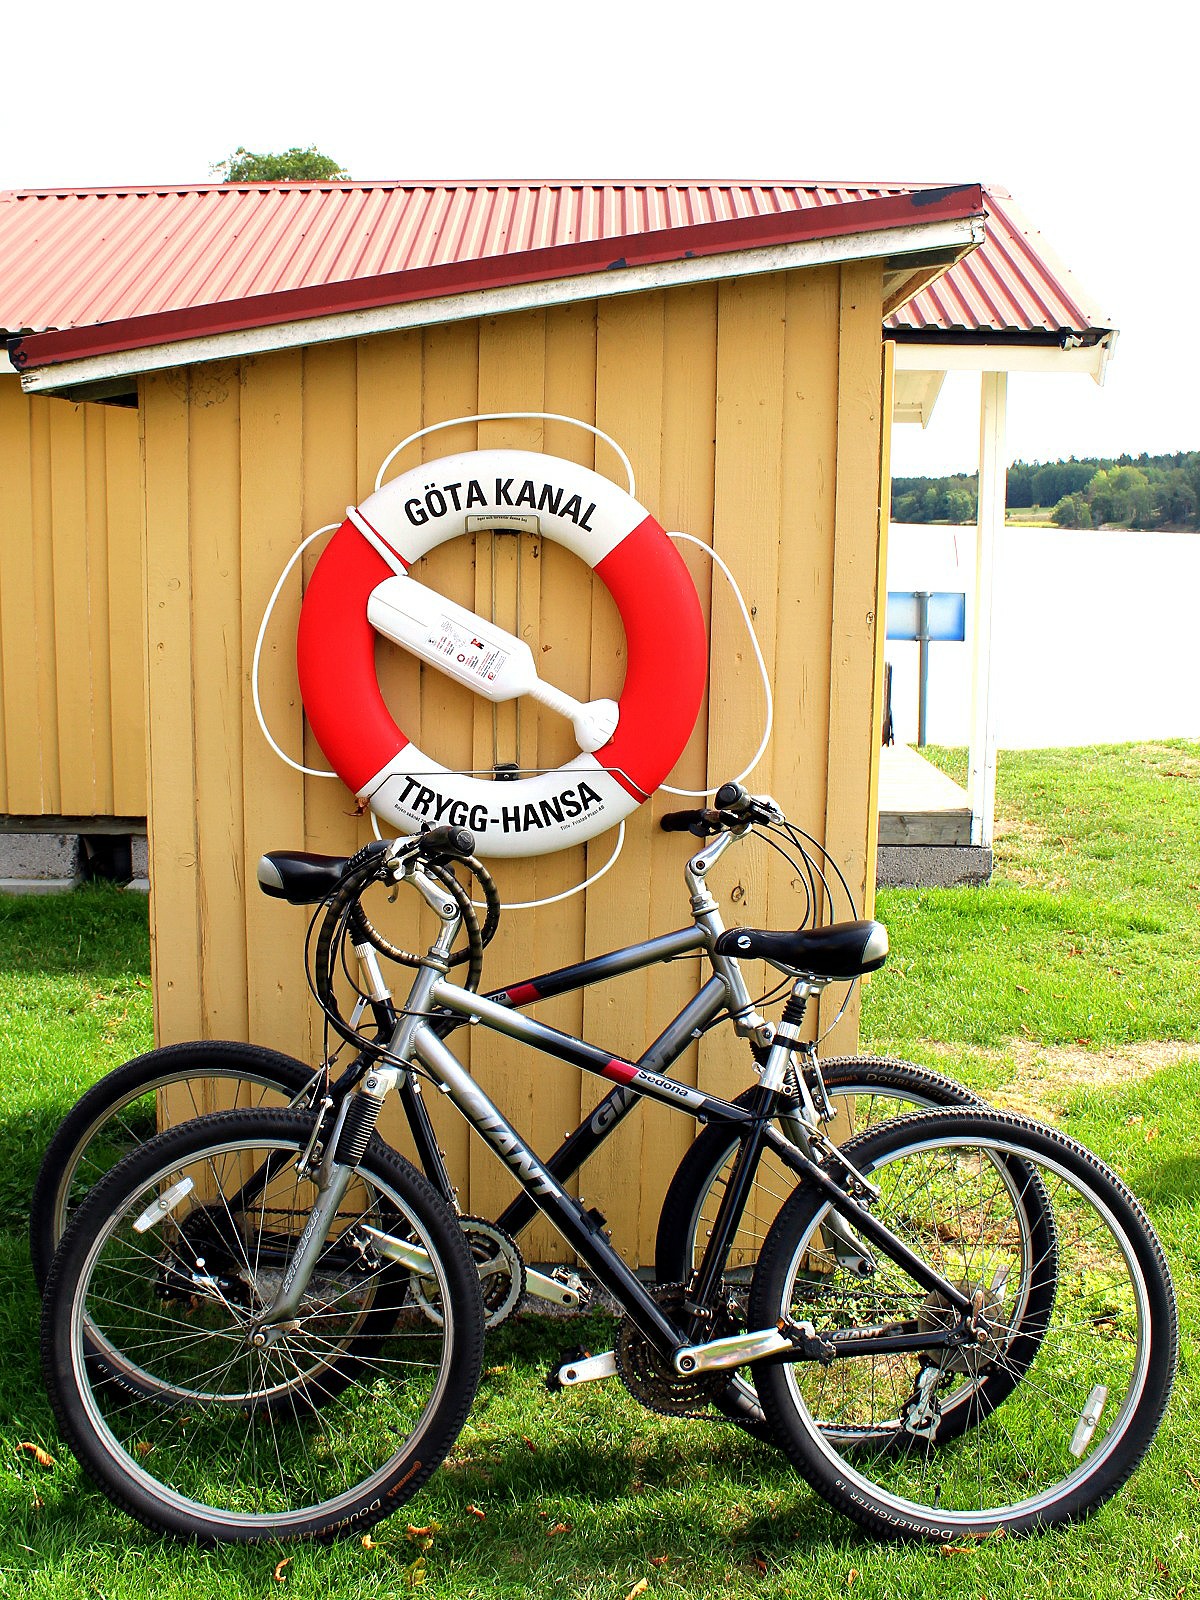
(24, 1138)
(1164, 1184)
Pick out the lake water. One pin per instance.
(1095, 636)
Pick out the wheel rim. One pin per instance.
(128, 1123)
(952, 1201)
(197, 1418)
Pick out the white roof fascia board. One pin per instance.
(936, 356)
(5, 363)
(951, 234)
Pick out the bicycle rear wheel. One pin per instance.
(120, 1112)
(864, 1090)
(150, 1316)
(1045, 1410)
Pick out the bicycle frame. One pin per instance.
(416, 1043)
(723, 992)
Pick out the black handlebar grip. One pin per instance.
(680, 821)
(730, 797)
(445, 843)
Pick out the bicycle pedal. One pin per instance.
(568, 1359)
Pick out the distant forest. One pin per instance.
(1127, 492)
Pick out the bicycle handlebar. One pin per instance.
(445, 843)
(734, 809)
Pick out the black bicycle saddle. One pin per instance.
(842, 950)
(300, 877)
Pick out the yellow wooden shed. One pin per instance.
(729, 339)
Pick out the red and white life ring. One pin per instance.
(666, 654)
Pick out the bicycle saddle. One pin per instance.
(842, 950)
(299, 877)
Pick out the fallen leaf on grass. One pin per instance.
(757, 1561)
(427, 1532)
(42, 1457)
(368, 1543)
(416, 1573)
(280, 1575)
(143, 1447)
(475, 1512)
(528, 1442)
(639, 1587)
(851, 1577)
(1162, 1567)
(559, 1527)
(659, 1561)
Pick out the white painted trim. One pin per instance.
(915, 394)
(5, 364)
(953, 234)
(935, 356)
(993, 472)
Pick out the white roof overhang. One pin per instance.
(921, 366)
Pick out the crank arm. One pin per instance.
(587, 1370)
(543, 1287)
(719, 1355)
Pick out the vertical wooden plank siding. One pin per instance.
(175, 694)
(20, 644)
(269, 419)
(72, 716)
(853, 677)
(751, 411)
(126, 609)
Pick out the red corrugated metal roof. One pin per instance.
(71, 258)
(1012, 286)
(139, 265)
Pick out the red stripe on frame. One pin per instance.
(621, 1071)
(523, 994)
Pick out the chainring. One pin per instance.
(501, 1273)
(650, 1377)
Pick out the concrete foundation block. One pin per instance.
(38, 863)
(932, 866)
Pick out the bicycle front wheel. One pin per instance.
(120, 1113)
(1030, 1409)
(151, 1336)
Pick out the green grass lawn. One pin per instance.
(1070, 986)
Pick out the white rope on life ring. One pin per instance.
(666, 650)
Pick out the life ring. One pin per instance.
(666, 649)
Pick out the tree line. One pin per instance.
(1125, 491)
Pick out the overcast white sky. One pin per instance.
(1085, 113)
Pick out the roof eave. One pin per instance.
(942, 224)
(957, 350)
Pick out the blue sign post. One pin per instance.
(925, 616)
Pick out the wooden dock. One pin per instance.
(918, 805)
